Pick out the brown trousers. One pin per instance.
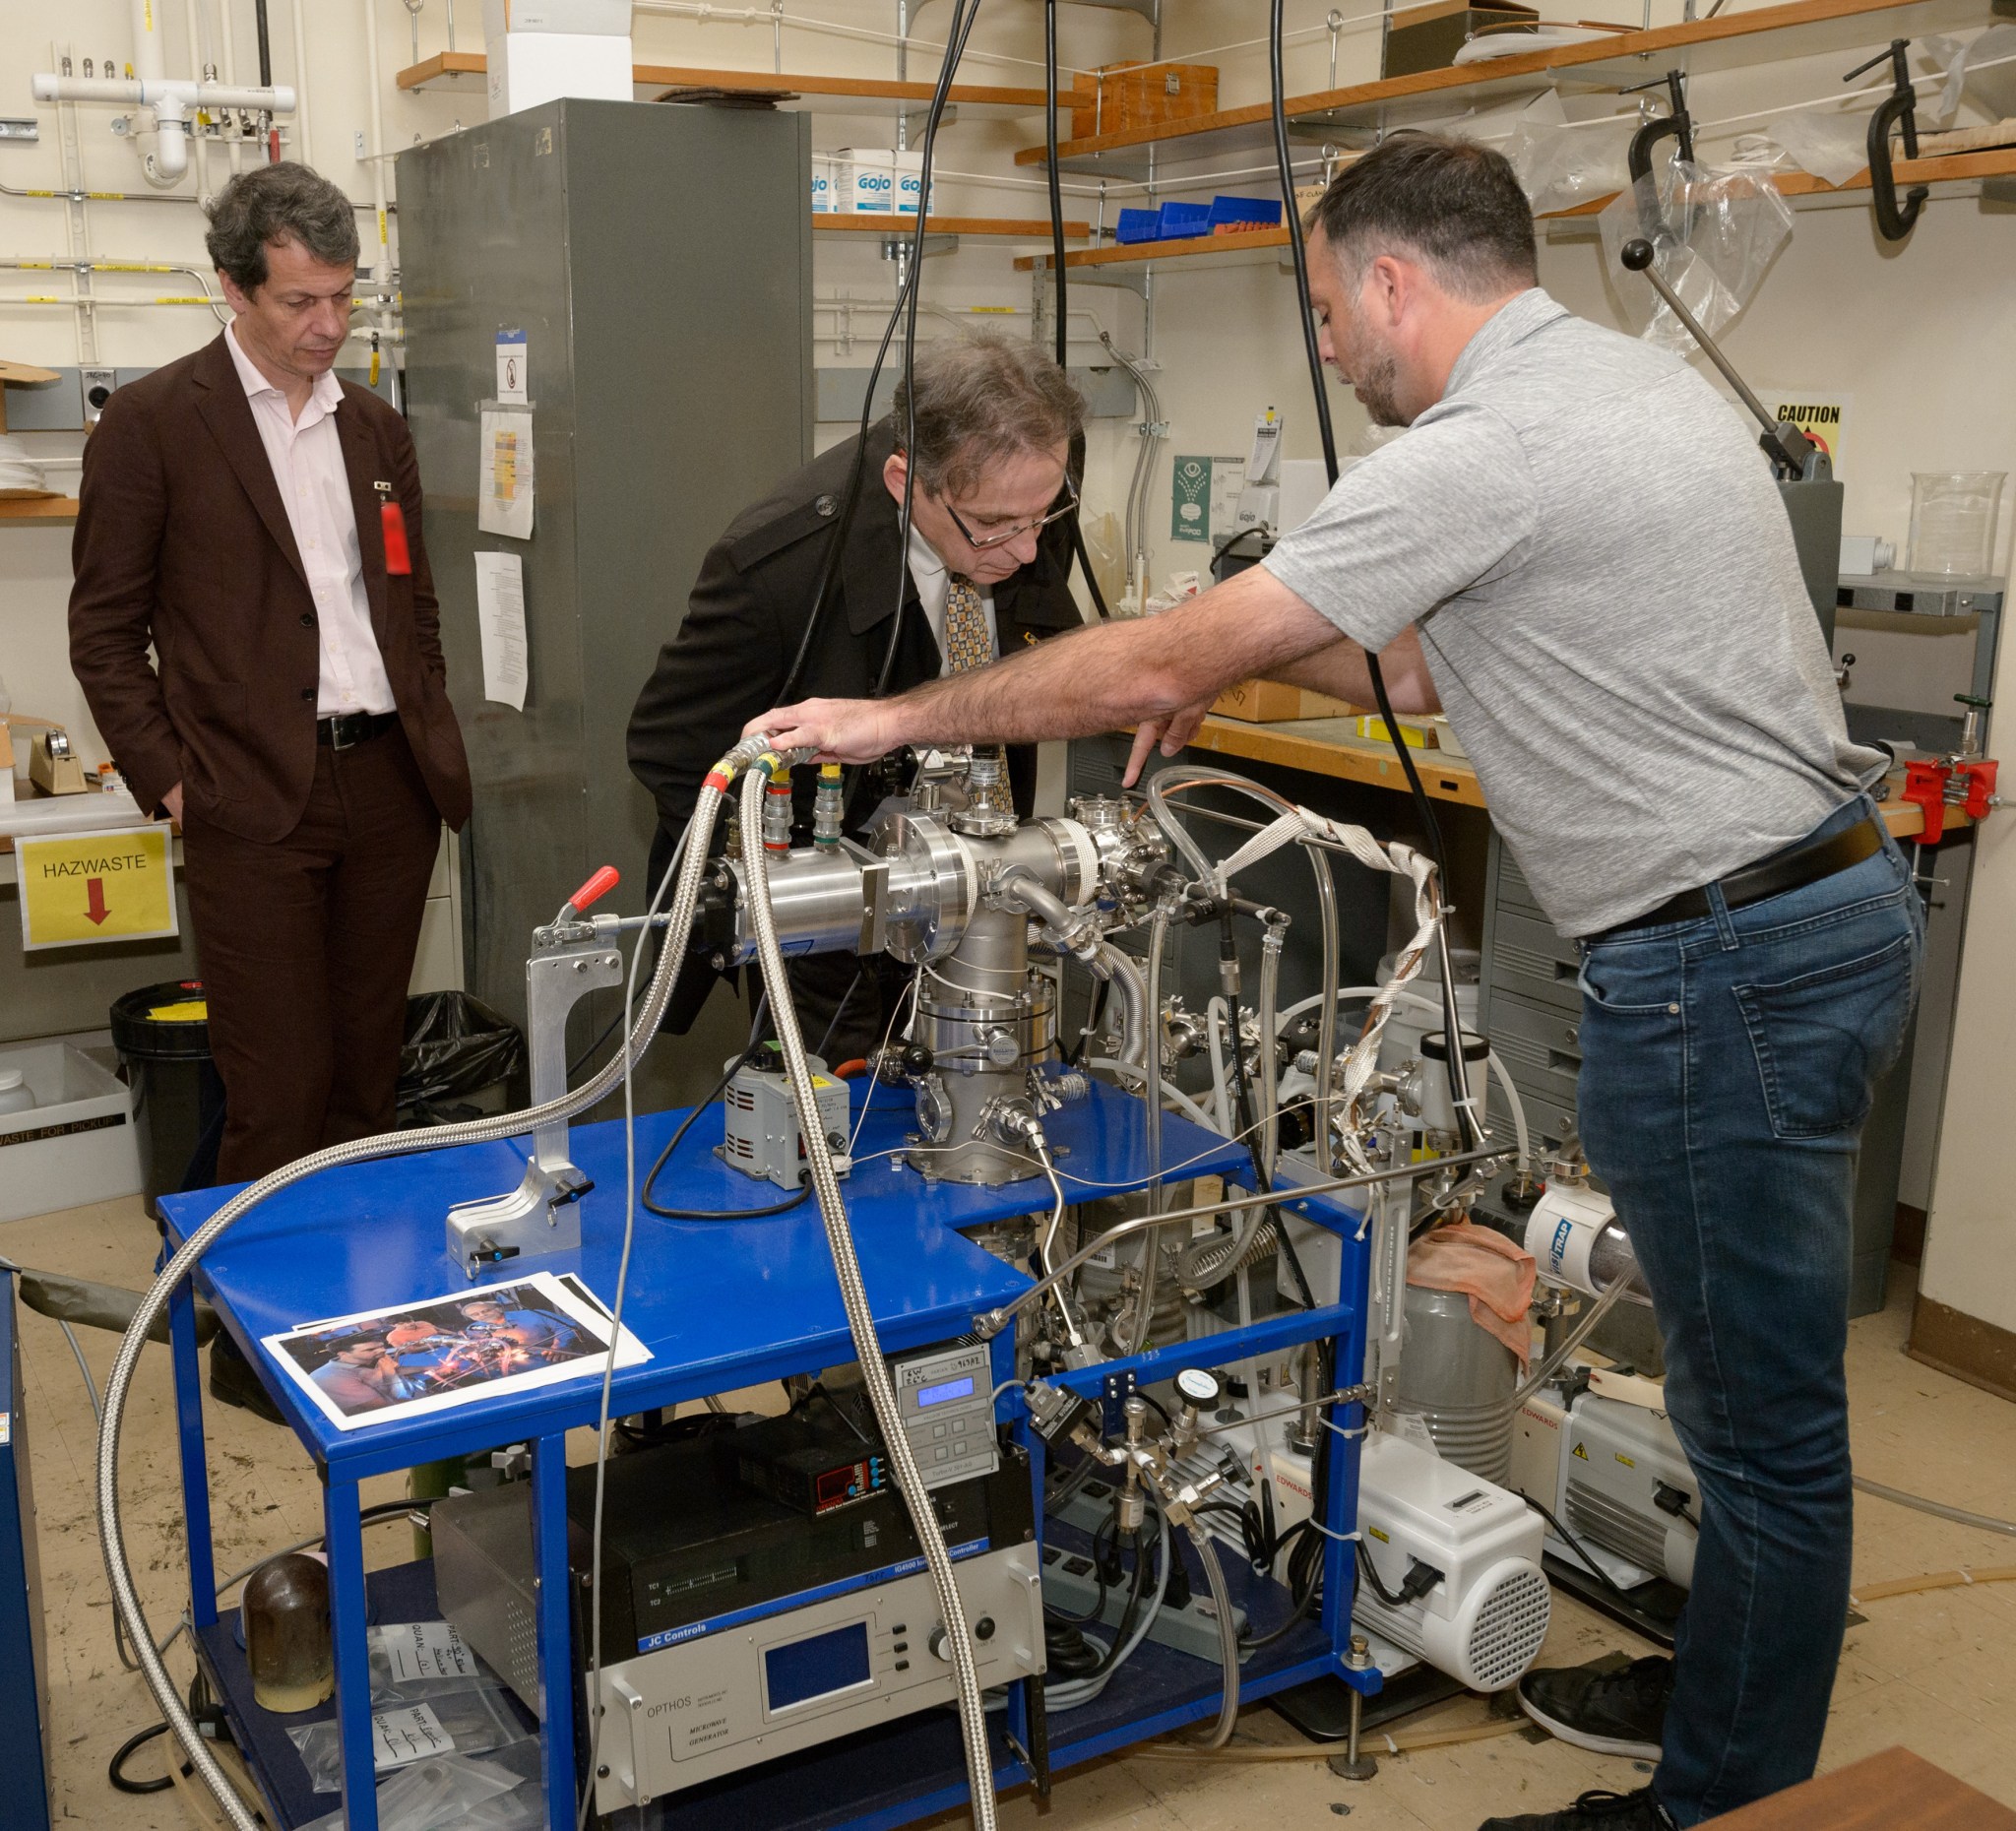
(306, 946)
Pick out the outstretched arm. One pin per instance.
(1159, 673)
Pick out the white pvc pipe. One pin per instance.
(303, 149)
(381, 267)
(227, 52)
(49, 86)
(195, 62)
(150, 59)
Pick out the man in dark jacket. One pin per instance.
(999, 429)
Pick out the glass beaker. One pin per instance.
(1953, 522)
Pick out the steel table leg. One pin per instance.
(556, 1660)
(342, 1523)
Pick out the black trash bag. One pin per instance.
(454, 1044)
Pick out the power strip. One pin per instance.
(1071, 1584)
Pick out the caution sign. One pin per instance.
(84, 888)
(1822, 416)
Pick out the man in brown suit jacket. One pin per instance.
(258, 522)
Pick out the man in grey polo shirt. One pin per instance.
(1578, 551)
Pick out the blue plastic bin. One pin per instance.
(1180, 221)
(1259, 211)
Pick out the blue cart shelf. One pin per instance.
(719, 1306)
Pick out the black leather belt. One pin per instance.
(353, 727)
(1772, 876)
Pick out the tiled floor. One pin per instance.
(1935, 1672)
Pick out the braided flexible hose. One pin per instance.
(119, 1386)
(860, 1320)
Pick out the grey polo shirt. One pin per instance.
(1610, 605)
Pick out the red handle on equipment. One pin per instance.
(597, 887)
(398, 560)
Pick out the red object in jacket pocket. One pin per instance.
(398, 560)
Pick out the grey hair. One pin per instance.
(983, 398)
(287, 202)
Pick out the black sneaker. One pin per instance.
(1595, 1812)
(233, 1383)
(1605, 1708)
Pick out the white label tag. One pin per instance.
(512, 378)
(425, 1650)
(401, 1736)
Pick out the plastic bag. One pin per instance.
(1562, 163)
(1833, 146)
(444, 1794)
(464, 1722)
(1993, 88)
(455, 1045)
(1715, 234)
(413, 1661)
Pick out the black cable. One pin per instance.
(1574, 1544)
(964, 14)
(712, 1214)
(853, 985)
(1057, 188)
(1157, 1407)
(115, 1770)
(1432, 828)
(686, 1125)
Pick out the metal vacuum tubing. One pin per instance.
(909, 1479)
(1133, 989)
(995, 1321)
(1150, 1252)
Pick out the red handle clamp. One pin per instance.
(597, 887)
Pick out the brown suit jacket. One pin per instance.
(182, 541)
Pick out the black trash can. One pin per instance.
(459, 1059)
(162, 1036)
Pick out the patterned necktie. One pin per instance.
(966, 642)
(967, 645)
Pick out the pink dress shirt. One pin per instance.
(307, 464)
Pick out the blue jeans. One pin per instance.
(1726, 1070)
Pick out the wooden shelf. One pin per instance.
(1025, 228)
(47, 511)
(470, 69)
(1355, 114)
(1329, 747)
(1114, 262)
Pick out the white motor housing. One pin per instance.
(1484, 1621)
(1616, 1459)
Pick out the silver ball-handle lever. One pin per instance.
(1784, 443)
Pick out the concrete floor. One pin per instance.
(1934, 1671)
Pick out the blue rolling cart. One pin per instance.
(719, 1306)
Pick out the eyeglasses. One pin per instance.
(982, 542)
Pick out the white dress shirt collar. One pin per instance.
(324, 399)
(933, 580)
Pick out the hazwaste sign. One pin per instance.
(84, 888)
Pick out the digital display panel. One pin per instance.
(803, 1670)
(951, 1389)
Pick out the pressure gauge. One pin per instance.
(1198, 1387)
